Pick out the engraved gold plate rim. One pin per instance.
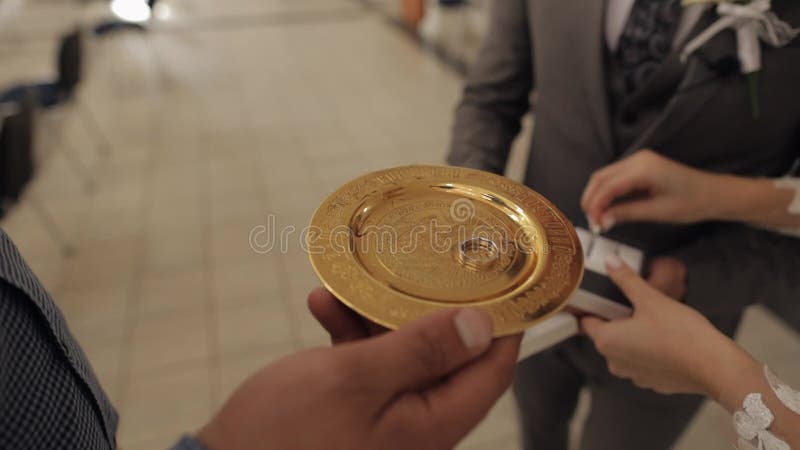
(499, 246)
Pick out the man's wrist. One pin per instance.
(189, 443)
(210, 436)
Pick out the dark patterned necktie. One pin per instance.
(647, 39)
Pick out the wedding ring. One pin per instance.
(478, 253)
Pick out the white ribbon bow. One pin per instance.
(751, 425)
(753, 22)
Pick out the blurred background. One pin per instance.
(143, 142)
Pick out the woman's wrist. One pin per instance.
(740, 199)
(728, 369)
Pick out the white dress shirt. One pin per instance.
(617, 13)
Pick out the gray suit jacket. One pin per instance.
(697, 114)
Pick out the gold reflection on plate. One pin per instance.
(401, 243)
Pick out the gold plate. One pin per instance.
(401, 243)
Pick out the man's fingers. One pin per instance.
(457, 405)
(661, 281)
(668, 276)
(430, 348)
(373, 329)
(342, 323)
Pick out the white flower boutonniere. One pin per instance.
(754, 22)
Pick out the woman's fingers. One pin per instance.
(618, 185)
(650, 209)
(600, 177)
(593, 327)
(642, 172)
(635, 288)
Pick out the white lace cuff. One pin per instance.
(793, 208)
(755, 418)
(794, 184)
(788, 396)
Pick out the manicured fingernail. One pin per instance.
(593, 226)
(474, 328)
(608, 223)
(613, 262)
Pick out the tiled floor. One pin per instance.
(228, 114)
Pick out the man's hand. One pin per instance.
(424, 386)
(341, 322)
(668, 275)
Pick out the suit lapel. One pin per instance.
(692, 14)
(689, 85)
(589, 20)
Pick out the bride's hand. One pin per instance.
(659, 190)
(665, 346)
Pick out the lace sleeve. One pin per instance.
(788, 396)
(794, 184)
(793, 208)
(752, 423)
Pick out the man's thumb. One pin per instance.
(431, 348)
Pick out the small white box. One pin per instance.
(564, 325)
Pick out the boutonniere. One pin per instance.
(754, 22)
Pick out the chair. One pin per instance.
(17, 166)
(16, 155)
(50, 94)
(70, 67)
